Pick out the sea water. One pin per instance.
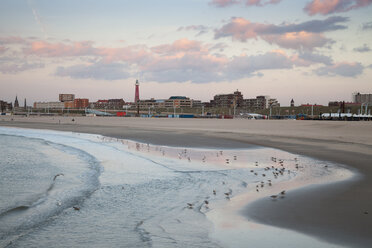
(128, 194)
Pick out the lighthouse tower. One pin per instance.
(136, 96)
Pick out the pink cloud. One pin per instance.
(223, 3)
(12, 40)
(325, 7)
(86, 48)
(306, 35)
(297, 40)
(43, 48)
(181, 45)
(132, 54)
(240, 29)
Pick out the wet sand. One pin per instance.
(339, 213)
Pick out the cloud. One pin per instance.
(367, 26)
(313, 58)
(200, 28)
(44, 48)
(326, 7)
(185, 60)
(3, 49)
(223, 3)
(181, 45)
(203, 67)
(362, 49)
(258, 3)
(298, 40)
(86, 48)
(343, 69)
(12, 40)
(13, 65)
(306, 35)
(246, 66)
(97, 71)
(193, 66)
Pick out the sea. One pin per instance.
(66, 189)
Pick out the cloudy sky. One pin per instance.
(310, 50)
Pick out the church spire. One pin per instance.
(16, 104)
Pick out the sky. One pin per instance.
(312, 51)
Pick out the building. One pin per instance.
(81, 103)
(172, 102)
(69, 105)
(4, 106)
(292, 103)
(178, 102)
(311, 105)
(109, 104)
(260, 102)
(49, 105)
(151, 103)
(362, 98)
(340, 103)
(272, 102)
(16, 103)
(228, 100)
(66, 97)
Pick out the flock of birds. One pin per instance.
(276, 171)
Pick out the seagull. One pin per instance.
(55, 177)
(273, 197)
(189, 205)
(283, 192)
(214, 192)
(76, 208)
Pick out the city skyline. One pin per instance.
(311, 50)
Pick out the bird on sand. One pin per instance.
(76, 208)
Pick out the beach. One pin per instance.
(339, 212)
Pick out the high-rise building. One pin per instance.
(362, 98)
(66, 97)
(136, 95)
(228, 100)
(25, 106)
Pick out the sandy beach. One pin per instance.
(339, 213)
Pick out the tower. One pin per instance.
(16, 104)
(25, 106)
(136, 96)
(292, 103)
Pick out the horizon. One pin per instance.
(311, 51)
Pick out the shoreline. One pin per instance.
(335, 213)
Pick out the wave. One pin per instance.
(64, 191)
